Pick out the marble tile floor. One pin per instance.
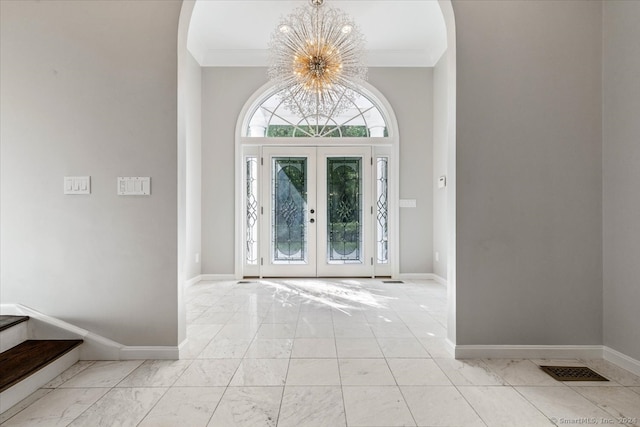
(297, 353)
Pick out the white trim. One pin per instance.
(149, 352)
(13, 336)
(622, 360)
(440, 279)
(450, 347)
(182, 346)
(94, 347)
(393, 141)
(260, 58)
(217, 277)
(422, 276)
(192, 281)
(528, 351)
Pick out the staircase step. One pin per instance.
(13, 331)
(8, 321)
(28, 357)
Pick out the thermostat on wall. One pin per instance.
(134, 185)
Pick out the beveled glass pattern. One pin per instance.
(289, 212)
(271, 119)
(344, 209)
(252, 210)
(382, 210)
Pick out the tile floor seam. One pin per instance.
(154, 405)
(335, 343)
(473, 408)
(533, 403)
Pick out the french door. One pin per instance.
(316, 212)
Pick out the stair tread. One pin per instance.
(7, 321)
(28, 357)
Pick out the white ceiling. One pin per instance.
(399, 33)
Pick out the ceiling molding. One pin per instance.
(260, 58)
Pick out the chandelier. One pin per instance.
(317, 58)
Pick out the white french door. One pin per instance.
(316, 216)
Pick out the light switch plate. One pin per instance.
(77, 185)
(442, 181)
(134, 186)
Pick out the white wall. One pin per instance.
(529, 183)
(225, 90)
(621, 176)
(89, 88)
(440, 158)
(193, 122)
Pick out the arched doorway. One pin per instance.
(316, 195)
(183, 30)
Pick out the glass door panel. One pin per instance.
(344, 210)
(289, 192)
(345, 227)
(289, 210)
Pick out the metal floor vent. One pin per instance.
(392, 281)
(573, 373)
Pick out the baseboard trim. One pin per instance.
(621, 359)
(451, 347)
(192, 281)
(149, 352)
(528, 352)
(420, 276)
(440, 279)
(217, 277)
(94, 347)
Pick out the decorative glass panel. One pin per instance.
(382, 210)
(344, 209)
(289, 214)
(252, 210)
(272, 120)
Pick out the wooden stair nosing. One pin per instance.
(30, 356)
(7, 321)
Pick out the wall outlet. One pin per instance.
(437, 256)
(197, 258)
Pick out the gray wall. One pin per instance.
(410, 93)
(225, 91)
(529, 187)
(89, 88)
(621, 176)
(440, 135)
(193, 121)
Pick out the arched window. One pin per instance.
(272, 119)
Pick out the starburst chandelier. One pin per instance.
(317, 58)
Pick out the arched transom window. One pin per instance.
(272, 119)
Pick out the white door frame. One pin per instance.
(387, 147)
